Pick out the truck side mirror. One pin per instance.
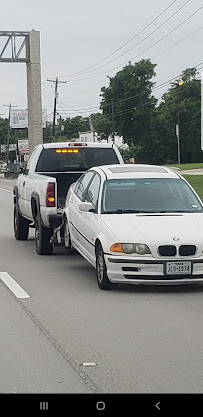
(21, 170)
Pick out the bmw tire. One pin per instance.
(102, 277)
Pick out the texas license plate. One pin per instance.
(173, 268)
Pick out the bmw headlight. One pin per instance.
(139, 248)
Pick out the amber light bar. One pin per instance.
(67, 151)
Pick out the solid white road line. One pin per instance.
(13, 285)
(7, 191)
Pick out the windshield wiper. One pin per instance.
(120, 211)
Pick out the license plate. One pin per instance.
(173, 268)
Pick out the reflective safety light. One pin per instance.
(67, 151)
(116, 248)
(50, 195)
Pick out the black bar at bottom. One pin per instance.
(102, 404)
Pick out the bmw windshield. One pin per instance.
(151, 195)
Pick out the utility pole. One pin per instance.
(178, 136)
(180, 83)
(1, 114)
(202, 110)
(8, 130)
(56, 82)
(92, 127)
(113, 120)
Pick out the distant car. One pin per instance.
(136, 224)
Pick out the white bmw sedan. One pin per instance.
(136, 224)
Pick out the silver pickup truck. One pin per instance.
(40, 190)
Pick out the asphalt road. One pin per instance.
(141, 339)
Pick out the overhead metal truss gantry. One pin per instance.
(13, 45)
(22, 46)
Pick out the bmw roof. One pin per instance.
(137, 171)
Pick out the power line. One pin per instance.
(158, 87)
(126, 43)
(47, 115)
(163, 37)
(164, 84)
(51, 93)
(133, 108)
(160, 53)
(119, 113)
(24, 100)
(80, 110)
(172, 46)
(142, 40)
(126, 111)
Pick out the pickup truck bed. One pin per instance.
(63, 180)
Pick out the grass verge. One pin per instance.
(182, 167)
(196, 181)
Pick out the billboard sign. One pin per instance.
(18, 119)
(23, 147)
(12, 147)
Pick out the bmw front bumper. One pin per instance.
(151, 271)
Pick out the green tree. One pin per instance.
(183, 103)
(102, 125)
(72, 126)
(133, 102)
(3, 130)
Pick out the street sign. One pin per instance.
(23, 147)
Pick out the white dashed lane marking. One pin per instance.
(13, 285)
(7, 191)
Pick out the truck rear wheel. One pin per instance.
(42, 238)
(21, 225)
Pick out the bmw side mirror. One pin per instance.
(85, 207)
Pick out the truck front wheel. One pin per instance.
(21, 225)
(43, 236)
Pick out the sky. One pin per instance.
(79, 40)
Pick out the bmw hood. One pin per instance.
(155, 228)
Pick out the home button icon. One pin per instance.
(100, 405)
